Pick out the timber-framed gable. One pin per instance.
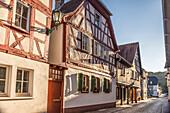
(31, 42)
(83, 22)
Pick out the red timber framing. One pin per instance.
(81, 26)
(33, 41)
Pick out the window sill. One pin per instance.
(15, 98)
(84, 91)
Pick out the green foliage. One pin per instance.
(161, 77)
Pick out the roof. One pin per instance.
(70, 6)
(73, 4)
(152, 80)
(128, 51)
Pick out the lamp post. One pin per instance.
(56, 19)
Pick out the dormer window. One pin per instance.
(97, 19)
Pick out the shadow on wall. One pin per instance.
(71, 86)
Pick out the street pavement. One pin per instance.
(151, 105)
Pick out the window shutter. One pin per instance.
(87, 82)
(80, 81)
(92, 46)
(92, 83)
(110, 85)
(100, 85)
(104, 86)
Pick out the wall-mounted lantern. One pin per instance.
(56, 19)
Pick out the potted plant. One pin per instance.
(96, 90)
(85, 89)
(107, 91)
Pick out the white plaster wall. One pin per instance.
(56, 46)
(45, 2)
(73, 98)
(40, 17)
(35, 103)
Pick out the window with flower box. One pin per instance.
(95, 84)
(83, 83)
(107, 87)
(23, 82)
(3, 80)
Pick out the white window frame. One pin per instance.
(83, 43)
(30, 83)
(95, 42)
(100, 18)
(28, 15)
(6, 81)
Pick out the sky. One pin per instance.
(140, 21)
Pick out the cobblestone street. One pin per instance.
(152, 105)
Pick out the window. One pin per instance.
(97, 19)
(83, 83)
(122, 70)
(3, 80)
(132, 75)
(85, 43)
(96, 48)
(101, 51)
(22, 82)
(55, 73)
(95, 84)
(106, 54)
(107, 87)
(22, 16)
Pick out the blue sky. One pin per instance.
(140, 21)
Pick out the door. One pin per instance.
(134, 94)
(131, 96)
(55, 91)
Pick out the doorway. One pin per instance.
(55, 90)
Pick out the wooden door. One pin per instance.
(55, 90)
(131, 96)
(54, 96)
(134, 94)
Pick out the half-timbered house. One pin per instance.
(129, 73)
(82, 58)
(23, 55)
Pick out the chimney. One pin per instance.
(58, 3)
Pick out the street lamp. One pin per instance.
(56, 19)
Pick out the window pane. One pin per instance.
(24, 23)
(19, 74)
(25, 12)
(26, 75)
(2, 72)
(25, 87)
(18, 9)
(18, 87)
(17, 20)
(2, 86)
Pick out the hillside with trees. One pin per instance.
(161, 77)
